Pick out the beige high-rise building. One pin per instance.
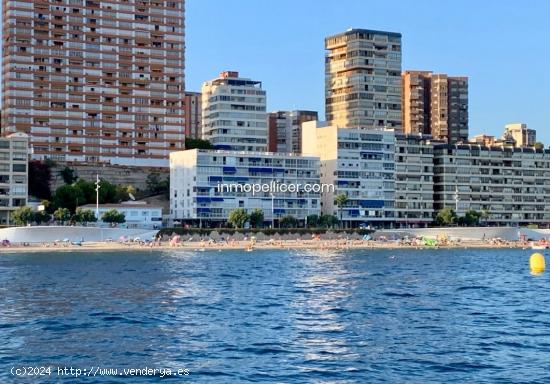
(363, 79)
(520, 134)
(435, 104)
(95, 81)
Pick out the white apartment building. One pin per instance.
(234, 113)
(414, 200)
(510, 184)
(198, 198)
(13, 174)
(360, 164)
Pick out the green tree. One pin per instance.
(257, 218)
(23, 216)
(41, 217)
(155, 185)
(84, 216)
(538, 145)
(40, 174)
(471, 218)
(123, 192)
(107, 193)
(238, 218)
(68, 175)
(328, 221)
(484, 215)
(340, 200)
(68, 196)
(445, 217)
(312, 221)
(113, 217)
(87, 189)
(191, 143)
(62, 215)
(288, 221)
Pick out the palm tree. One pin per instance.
(341, 200)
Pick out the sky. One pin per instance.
(502, 46)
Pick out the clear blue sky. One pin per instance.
(502, 46)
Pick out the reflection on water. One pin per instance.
(280, 316)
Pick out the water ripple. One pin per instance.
(280, 316)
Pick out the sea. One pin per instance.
(283, 316)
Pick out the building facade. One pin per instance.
(137, 215)
(285, 130)
(193, 115)
(203, 185)
(360, 164)
(416, 108)
(520, 134)
(510, 185)
(94, 81)
(13, 174)
(436, 105)
(449, 108)
(234, 113)
(363, 79)
(414, 200)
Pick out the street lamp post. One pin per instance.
(97, 186)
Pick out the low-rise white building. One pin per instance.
(206, 185)
(360, 164)
(137, 215)
(13, 174)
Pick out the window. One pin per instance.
(19, 168)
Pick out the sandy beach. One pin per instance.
(248, 245)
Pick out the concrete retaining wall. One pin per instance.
(74, 234)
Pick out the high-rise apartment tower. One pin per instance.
(363, 79)
(435, 104)
(234, 113)
(95, 81)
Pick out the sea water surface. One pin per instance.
(357, 316)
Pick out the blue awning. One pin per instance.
(229, 170)
(371, 203)
(203, 199)
(278, 211)
(260, 170)
(220, 146)
(214, 178)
